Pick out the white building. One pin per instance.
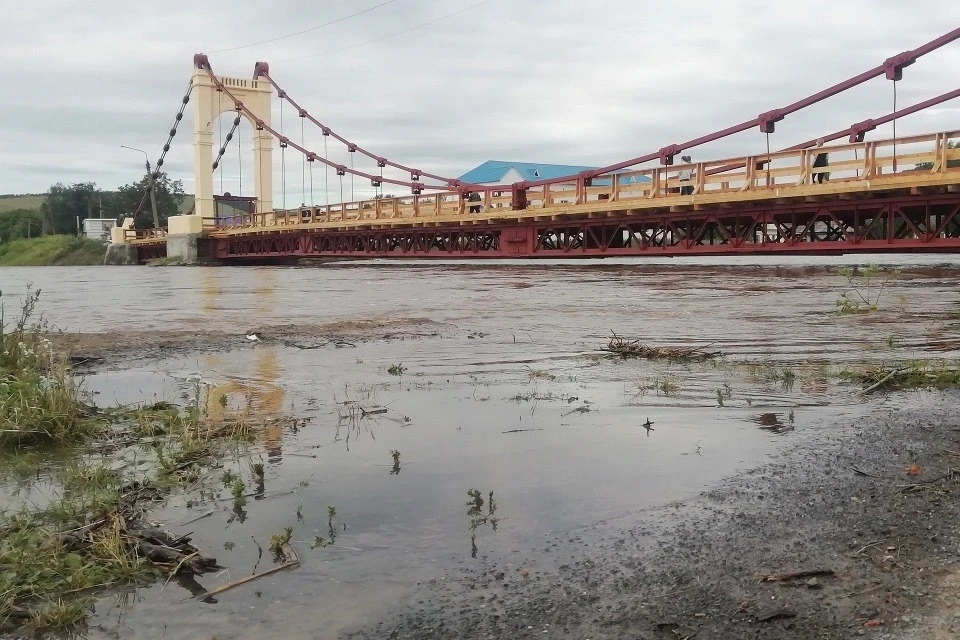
(98, 228)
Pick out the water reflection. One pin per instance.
(477, 518)
(266, 289)
(209, 290)
(260, 395)
(395, 470)
(772, 422)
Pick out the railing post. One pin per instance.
(941, 153)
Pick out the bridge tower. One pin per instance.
(255, 94)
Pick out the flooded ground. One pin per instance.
(416, 383)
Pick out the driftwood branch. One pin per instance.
(796, 575)
(882, 381)
(291, 561)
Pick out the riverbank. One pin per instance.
(850, 531)
(57, 250)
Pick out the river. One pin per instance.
(502, 388)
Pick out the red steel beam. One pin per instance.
(896, 223)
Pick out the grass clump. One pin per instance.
(913, 374)
(396, 369)
(40, 402)
(54, 558)
(60, 250)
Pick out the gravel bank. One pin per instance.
(843, 499)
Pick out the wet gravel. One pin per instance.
(843, 497)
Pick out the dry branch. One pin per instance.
(635, 349)
(796, 575)
(291, 560)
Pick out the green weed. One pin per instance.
(279, 540)
(866, 285)
(40, 402)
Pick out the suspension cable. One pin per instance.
(347, 143)
(166, 146)
(223, 148)
(892, 67)
(352, 197)
(303, 164)
(857, 131)
(220, 132)
(239, 165)
(326, 171)
(283, 160)
(894, 127)
(768, 159)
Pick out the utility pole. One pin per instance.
(153, 193)
(153, 196)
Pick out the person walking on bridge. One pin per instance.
(686, 176)
(820, 161)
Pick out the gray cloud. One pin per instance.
(534, 80)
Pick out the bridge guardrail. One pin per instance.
(728, 179)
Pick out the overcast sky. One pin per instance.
(530, 80)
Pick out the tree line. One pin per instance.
(66, 206)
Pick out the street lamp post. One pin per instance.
(153, 194)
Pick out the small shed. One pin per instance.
(98, 228)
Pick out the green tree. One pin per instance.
(951, 144)
(126, 199)
(66, 204)
(19, 223)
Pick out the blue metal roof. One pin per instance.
(493, 171)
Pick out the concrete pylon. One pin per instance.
(255, 94)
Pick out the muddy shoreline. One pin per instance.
(96, 351)
(837, 500)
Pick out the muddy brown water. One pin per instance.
(503, 390)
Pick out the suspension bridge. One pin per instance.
(837, 193)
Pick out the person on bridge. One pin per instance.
(686, 176)
(473, 196)
(820, 161)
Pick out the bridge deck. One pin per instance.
(855, 170)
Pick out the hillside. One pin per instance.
(25, 201)
(9, 202)
(52, 250)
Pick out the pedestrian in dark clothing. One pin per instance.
(686, 176)
(474, 197)
(820, 161)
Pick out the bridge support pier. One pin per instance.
(121, 253)
(186, 241)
